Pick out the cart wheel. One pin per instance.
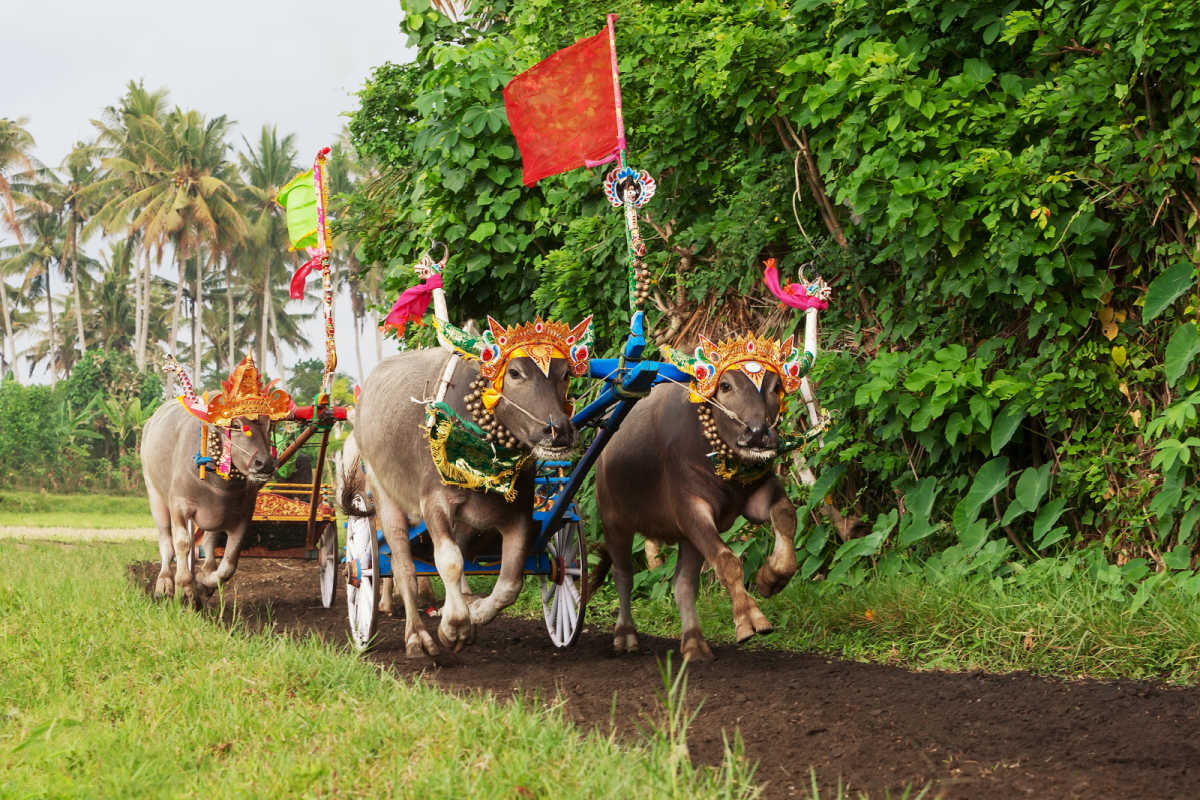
(327, 561)
(362, 576)
(562, 594)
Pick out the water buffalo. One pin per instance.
(180, 500)
(682, 471)
(518, 392)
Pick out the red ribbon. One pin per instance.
(301, 276)
(793, 294)
(410, 306)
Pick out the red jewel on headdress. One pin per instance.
(488, 353)
(749, 347)
(701, 373)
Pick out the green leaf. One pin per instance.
(1005, 425)
(978, 70)
(912, 96)
(1169, 284)
(1032, 486)
(918, 502)
(1046, 518)
(1178, 557)
(991, 478)
(485, 229)
(1181, 350)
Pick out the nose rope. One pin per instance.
(523, 410)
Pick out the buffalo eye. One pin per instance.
(516, 373)
(725, 387)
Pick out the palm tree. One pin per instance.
(264, 260)
(203, 218)
(38, 215)
(130, 138)
(77, 205)
(15, 146)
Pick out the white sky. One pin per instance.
(294, 64)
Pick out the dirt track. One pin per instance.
(878, 728)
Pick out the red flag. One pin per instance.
(565, 110)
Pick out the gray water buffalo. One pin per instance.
(682, 472)
(517, 392)
(180, 500)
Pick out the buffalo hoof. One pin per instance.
(419, 643)
(769, 581)
(693, 647)
(188, 596)
(455, 637)
(164, 587)
(625, 641)
(756, 624)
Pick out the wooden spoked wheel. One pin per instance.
(327, 561)
(563, 600)
(362, 576)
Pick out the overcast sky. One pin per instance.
(294, 64)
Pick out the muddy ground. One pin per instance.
(876, 728)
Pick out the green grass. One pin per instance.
(41, 510)
(108, 694)
(1053, 617)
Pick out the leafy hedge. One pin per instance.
(1004, 198)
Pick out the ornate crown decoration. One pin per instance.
(754, 355)
(245, 395)
(540, 340)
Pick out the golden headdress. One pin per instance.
(245, 395)
(753, 355)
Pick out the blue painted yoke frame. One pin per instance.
(627, 379)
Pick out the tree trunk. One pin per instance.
(10, 358)
(53, 339)
(143, 341)
(373, 283)
(229, 313)
(137, 303)
(78, 302)
(358, 350)
(266, 305)
(180, 280)
(198, 317)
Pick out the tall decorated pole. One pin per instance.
(322, 191)
(305, 200)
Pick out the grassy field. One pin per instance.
(107, 694)
(84, 511)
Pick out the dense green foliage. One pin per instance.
(82, 433)
(1003, 197)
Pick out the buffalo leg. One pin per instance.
(164, 586)
(211, 578)
(619, 543)
(702, 532)
(687, 579)
(512, 570)
(780, 566)
(455, 629)
(185, 585)
(394, 523)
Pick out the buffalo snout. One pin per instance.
(558, 432)
(263, 464)
(759, 437)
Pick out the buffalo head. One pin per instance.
(746, 415)
(533, 406)
(251, 449)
